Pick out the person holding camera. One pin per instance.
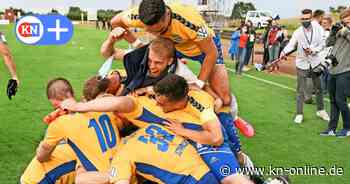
(309, 40)
(339, 82)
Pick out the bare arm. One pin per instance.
(207, 46)
(8, 60)
(121, 104)
(120, 21)
(107, 47)
(44, 151)
(211, 133)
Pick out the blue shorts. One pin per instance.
(200, 58)
(226, 121)
(221, 160)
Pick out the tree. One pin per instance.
(240, 9)
(339, 9)
(106, 14)
(74, 13)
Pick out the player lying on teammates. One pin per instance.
(149, 64)
(172, 104)
(186, 28)
(8, 60)
(93, 136)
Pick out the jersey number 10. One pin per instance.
(106, 136)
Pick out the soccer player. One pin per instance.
(172, 103)
(186, 28)
(61, 166)
(8, 60)
(93, 136)
(169, 159)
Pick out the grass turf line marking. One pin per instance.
(270, 82)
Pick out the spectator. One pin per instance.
(339, 88)
(251, 42)
(274, 39)
(284, 39)
(242, 50)
(264, 40)
(234, 45)
(309, 42)
(326, 25)
(317, 17)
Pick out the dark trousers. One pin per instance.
(248, 55)
(339, 90)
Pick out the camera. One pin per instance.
(324, 65)
(336, 27)
(332, 60)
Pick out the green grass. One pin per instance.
(278, 142)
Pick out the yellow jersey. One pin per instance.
(158, 155)
(92, 136)
(198, 111)
(60, 169)
(187, 27)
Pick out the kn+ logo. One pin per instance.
(44, 30)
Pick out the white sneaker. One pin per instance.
(349, 105)
(298, 118)
(323, 115)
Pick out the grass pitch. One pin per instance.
(278, 142)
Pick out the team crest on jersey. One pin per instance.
(202, 32)
(176, 38)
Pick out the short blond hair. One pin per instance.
(163, 46)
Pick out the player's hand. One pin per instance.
(308, 52)
(116, 33)
(143, 91)
(174, 126)
(54, 115)
(129, 36)
(283, 56)
(274, 67)
(218, 103)
(69, 104)
(12, 86)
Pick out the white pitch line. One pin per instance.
(270, 82)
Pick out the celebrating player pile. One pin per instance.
(158, 122)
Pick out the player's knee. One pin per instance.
(24, 179)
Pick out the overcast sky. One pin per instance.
(285, 8)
